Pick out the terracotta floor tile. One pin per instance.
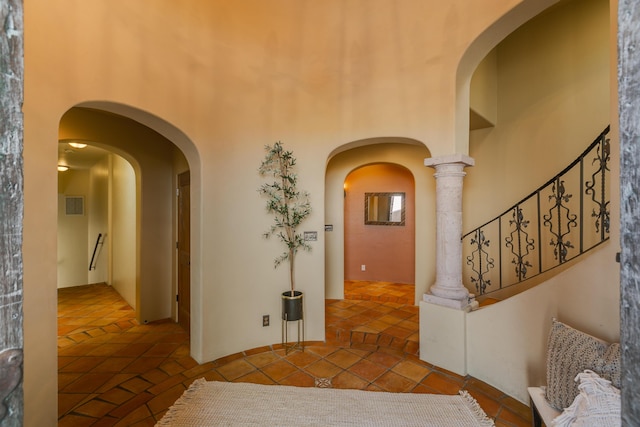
(255, 377)
(65, 342)
(172, 367)
(384, 359)
(75, 421)
(392, 382)
(421, 388)
(198, 370)
(87, 383)
(144, 364)
(442, 384)
(117, 395)
(106, 349)
(323, 369)
(132, 405)
(485, 388)
(118, 384)
(133, 350)
(512, 418)
(411, 370)
(136, 385)
(166, 384)
(166, 398)
(65, 360)
(95, 408)
(367, 370)
(186, 362)
(209, 376)
(397, 332)
(346, 379)
(68, 401)
(114, 381)
(298, 379)
(343, 358)
(77, 350)
(161, 350)
(106, 421)
(114, 364)
(235, 369)
(515, 406)
(321, 351)
(134, 415)
(302, 358)
(390, 319)
(490, 406)
(378, 326)
(262, 359)
(279, 369)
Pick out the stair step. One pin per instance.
(375, 341)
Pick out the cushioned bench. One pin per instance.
(571, 354)
(541, 411)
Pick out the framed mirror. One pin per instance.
(384, 208)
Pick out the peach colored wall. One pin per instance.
(231, 77)
(388, 252)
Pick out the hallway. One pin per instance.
(114, 372)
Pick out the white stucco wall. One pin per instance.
(73, 262)
(98, 211)
(123, 229)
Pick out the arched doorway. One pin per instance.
(405, 153)
(157, 164)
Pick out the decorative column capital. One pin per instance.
(461, 159)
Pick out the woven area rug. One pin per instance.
(211, 403)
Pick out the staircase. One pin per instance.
(561, 220)
(375, 322)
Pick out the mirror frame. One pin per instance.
(372, 222)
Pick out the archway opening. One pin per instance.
(140, 203)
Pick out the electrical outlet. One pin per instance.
(363, 267)
(265, 320)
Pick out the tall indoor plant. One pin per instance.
(289, 207)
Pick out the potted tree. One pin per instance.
(289, 207)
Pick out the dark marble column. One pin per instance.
(11, 209)
(629, 103)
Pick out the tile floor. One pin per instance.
(114, 372)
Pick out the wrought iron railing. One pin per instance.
(545, 229)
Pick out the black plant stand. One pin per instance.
(292, 311)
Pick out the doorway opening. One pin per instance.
(136, 188)
(379, 251)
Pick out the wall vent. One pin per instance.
(74, 205)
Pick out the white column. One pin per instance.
(448, 289)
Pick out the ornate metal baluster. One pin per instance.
(561, 246)
(560, 222)
(482, 268)
(522, 237)
(601, 213)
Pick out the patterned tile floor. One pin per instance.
(114, 372)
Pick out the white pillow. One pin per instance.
(597, 404)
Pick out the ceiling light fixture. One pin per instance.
(63, 168)
(77, 144)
